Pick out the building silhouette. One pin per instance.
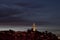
(31, 34)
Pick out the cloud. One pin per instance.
(44, 11)
(8, 12)
(29, 5)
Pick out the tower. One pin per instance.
(34, 27)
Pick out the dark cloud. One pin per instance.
(39, 11)
(30, 5)
(23, 4)
(8, 12)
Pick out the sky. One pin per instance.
(28, 11)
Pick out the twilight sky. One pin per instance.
(29, 11)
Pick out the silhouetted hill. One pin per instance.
(28, 35)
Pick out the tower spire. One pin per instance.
(34, 27)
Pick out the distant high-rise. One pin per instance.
(34, 27)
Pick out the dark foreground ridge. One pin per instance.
(32, 34)
(28, 35)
